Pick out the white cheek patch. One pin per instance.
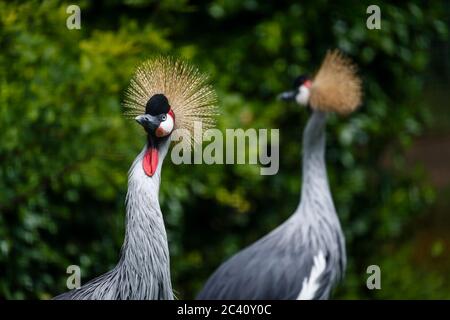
(165, 128)
(302, 96)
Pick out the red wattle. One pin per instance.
(172, 114)
(150, 161)
(308, 84)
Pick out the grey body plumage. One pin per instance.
(143, 271)
(277, 266)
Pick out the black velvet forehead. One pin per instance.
(300, 80)
(157, 104)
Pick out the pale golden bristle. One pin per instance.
(190, 95)
(336, 86)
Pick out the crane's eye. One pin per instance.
(163, 117)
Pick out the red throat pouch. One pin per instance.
(150, 161)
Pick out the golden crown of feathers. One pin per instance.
(336, 87)
(190, 95)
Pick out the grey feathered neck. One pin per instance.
(315, 180)
(143, 271)
(144, 259)
(319, 222)
(300, 259)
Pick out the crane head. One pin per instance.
(336, 86)
(301, 91)
(158, 121)
(161, 88)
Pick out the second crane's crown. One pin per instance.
(169, 85)
(336, 87)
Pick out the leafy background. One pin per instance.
(65, 147)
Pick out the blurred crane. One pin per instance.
(305, 256)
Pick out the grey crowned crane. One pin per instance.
(165, 94)
(305, 256)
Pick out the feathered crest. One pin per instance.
(190, 95)
(336, 86)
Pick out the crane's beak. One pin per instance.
(151, 156)
(149, 122)
(287, 96)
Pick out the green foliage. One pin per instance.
(65, 147)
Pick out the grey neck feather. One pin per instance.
(315, 185)
(144, 262)
(143, 271)
(316, 215)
